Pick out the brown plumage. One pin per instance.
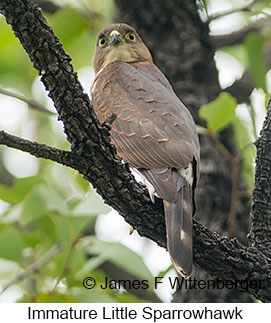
(154, 132)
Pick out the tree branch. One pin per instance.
(89, 139)
(227, 259)
(232, 261)
(242, 88)
(236, 37)
(47, 6)
(32, 103)
(39, 150)
(35, 266)
(246, 7)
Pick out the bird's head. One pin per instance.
(119, 42)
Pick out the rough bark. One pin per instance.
(226, 259)
(260, 226)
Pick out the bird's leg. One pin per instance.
(107, 124)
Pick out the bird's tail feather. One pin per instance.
(179, 231)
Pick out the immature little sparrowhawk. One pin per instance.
(153, 130)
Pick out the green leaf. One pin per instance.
(47, 228)
(239, 52)
(92, 296)
(164, 272)
(11, 244)
(82, 183)
(12, 215)
(50, 298)
(92, 204)
(40, 201)
(67, 229)
(254, 43)
(76, 261)
(56, 267)
(17, 192)
(63, 229)
(267, 99)
(205, 6)
(70, 227)
(259, 6)
(15, 66)
(243, 141)
(73, 35)
(66, 31)
(220, 112)
(97, 295)
(82, 223)
(8, 270)
(116, 253)
(31, 239)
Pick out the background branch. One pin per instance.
(32, 103)
(35, 266)
(47, 6)
(236, 37)
(242, 88)
(246, 7)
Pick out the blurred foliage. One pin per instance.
(254, 43)
(55, 204)
(220, 112)
(42, 210)
(253, 54)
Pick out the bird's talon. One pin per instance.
(109, 120)
(131, 230)
(152, 198)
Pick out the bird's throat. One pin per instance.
(121, 52)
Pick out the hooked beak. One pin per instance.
(115, 37)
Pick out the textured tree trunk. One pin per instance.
(181, 47)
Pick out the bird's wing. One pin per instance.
(153, 129)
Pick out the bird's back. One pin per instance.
(149, 112)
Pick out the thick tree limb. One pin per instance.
(260, 229)
(227, 259)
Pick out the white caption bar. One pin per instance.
(71, 312)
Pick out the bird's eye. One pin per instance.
(131, 36)
(102, 42)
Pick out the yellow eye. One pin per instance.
(131, 36)
(102, 42)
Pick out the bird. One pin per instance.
(153, 131)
